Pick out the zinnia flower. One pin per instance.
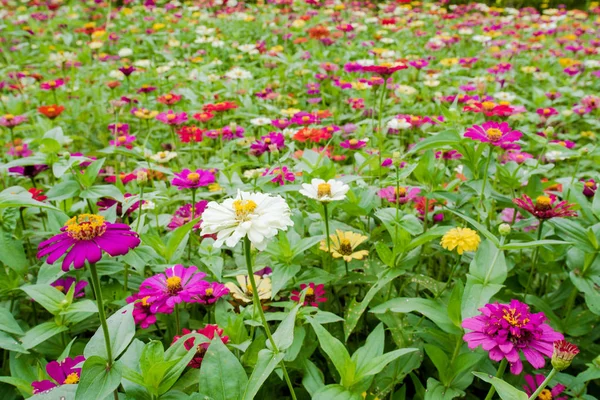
(344, 244)
(243, 292)
(543, 207)
(353, 144)
(315, 294)
(563, 355)
(63, 373)
(494, 133)
(547, 394)
(256, 215)
(209, 331)
(172, 118)
(183, 215)
(10, 121)
(504, 330)
(52, 111)
(211, 293)
(461, 239)
(178, 284)
(64, 285)
(401, 194)
(325, 192)
(84, 237)
(187, 179)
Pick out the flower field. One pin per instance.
(299, 200)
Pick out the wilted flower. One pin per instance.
(563, 355)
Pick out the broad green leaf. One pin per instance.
(505, 390)
(97, 380)
(437, 391)
(336, 352)
(312, 378)
(47, 296)
(221, 374)
(284, 335)
(8, 322)
(267, 361)
(16, 197)
(21, 384)
(12, 253)
(376, 365)
(40, 333)
(98, 191)
(7, 342)
(178, 237)
(440, 139)
(121, 330)
(62, 392)
(336, 392)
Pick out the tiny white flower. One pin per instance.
(398, 124)
(325, 192)
(148, 205)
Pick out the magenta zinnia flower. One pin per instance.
(178, 284)
(52, 85)
(505, 330)
(183, 215)
(142, 313)
(280, 175)
(211, 293)
(267, 143)
(400, 195)
(353, 144)
(494, 133)
(63, 373)
(315, 294)
(543, 207)
(84, 238)
(551, 394)
(64, 285)
(187, 179)
(172, 118)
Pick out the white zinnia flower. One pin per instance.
(125, 52)
(163, 156)
(398, 124)
(256, 215)
(325, 192)
(260, 121)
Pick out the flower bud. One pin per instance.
(142, 176)
(563, 355)
(504, 229)
(549, 131)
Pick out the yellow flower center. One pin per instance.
(168, 97)
(310, 291)
(249, 288)
(494, 134)
(171, 117)
(562, 143)
(345, 247)
(145, 301)
(86, 226)
(400, 191)
(353, 142)
(193, 177)
(122, 139)
(514, 318)
(324, 189)
(51, 109)
(545, 395)
(415, 118)
(589, 184)
(543, 202)
(60, 288)
(208, 292)
(52, 83)
(174, 284)
(268, 140)
(547, 111)
(488, 105)
(145, 86)
(243, 208)
(18, 149)
(71, 379)
(306, 118)
(9, 117)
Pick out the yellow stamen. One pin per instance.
(494, 134)
(512, 317)
(193, 177)
(400, 191)
(85, 227)
(174, 284)
(208, 292)
(310, 291)
(9, 117)
(60, 288)
(145, 301)
(243, 208)
(71, 379)
(543, 202)
(488, 105)
(324, 189)
(353, 142)
(545, 395)
(345, 247)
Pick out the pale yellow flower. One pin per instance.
(343, 245)
(243, 292)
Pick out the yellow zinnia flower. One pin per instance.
(463, 239)
(343, 245)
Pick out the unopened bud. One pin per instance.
(141, 176)
(564, 353)
(549, 131)
(504, 229)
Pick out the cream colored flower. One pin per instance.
(163, 156)
(343, 245)
(243, 292)
(325, 192)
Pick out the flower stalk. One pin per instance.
(499, 375)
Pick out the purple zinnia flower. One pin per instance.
(280, 175)
(353, 144)
(172, 118)
(84, 237)
(505, 330)
(494, 133)
(10, 121)
(63, 373)
(187, 179)
(211, 293)
(178, 284)
(29, 171)
(551, 394)
(267, 143)
(142, 315)
(64, 285)
(183, 215)
(401, 195)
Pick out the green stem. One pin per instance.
(543, 385)
(485, 174)
(177, 325)
(499, 374)
(256, 301)
(534, 258)
(326, 214)
(190, 244)
(137, 225)
(125, 276)
(449, 279)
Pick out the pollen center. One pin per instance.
(60, 288)
(171, 117)
(545, 395)
(86, 227)
(488, 105)
(324, 189)
(174, 284)
(494, 134)
(353, 142)
(543, 202)
(71, 379)
(208, 292)
(345, 247)
(145, 301)
(193, 177)
(514, 318)
(310, 291)
(9, 117)
(243, 208)
(400, 191)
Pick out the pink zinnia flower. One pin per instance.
(281, 123)
(551, 394)
(268, 143)
(172, 118)
(187, 179)
(281, 175)
(400, 195)
(64, 285)
(146, 89)
(383, 70)
(10, 121)
(494, 133)
(142, 313)
(178, 284)
(211, 293)
(21, 150)
(84, 237)
(517, 156)
(304, 118)
(505, 330)
(183, 215)
(546, 112)
(544, 207)
(589, 188)
(52, 85)
(123, 140)
(63, 373)
(315, 294)
(353, 144)
(119, 128)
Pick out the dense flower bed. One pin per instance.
(299, 199)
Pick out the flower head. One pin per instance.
(10, 121)
(314, 294)
(243, 292)
(325, 192)
(344, 244)
(494, 133)
(256, 215)
(401, 194)
(461, 239)
(209, 331)
(563, 354)
(142, 310)
(84, 237)
(505, 330)
(172, 118)
(62, 373)
(547, 394)
(211, 293)
(183, 215)
(64, 285)
(52, 111)
(187, 179)
(543, 207)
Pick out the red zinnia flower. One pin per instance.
(36, 194)
(51, 111)
(315, 294)
(543, 208)
(209, 331)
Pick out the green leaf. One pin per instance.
(441, 361)
(505, 390)
(437, 391)
(47, 296)
(284, 335)
(91, 172)
(63, 190)
(178, 237)
(336, 392)
(172, 354)
(385, 254)
(40, 333)
(98, 191)
(21, 384)
(432, 309)
(97, 381)
(121, 330)
(454, 304)
(7, 342)
(12, 253)
(8, 322)
(221, 373)
(444, 138)
(17, 196)
(267, 361)
(376, 365)
(312, 378)
(590, 290)
(336, 352)
(63, 392)
(535, 243)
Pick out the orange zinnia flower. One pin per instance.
(51, 111)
